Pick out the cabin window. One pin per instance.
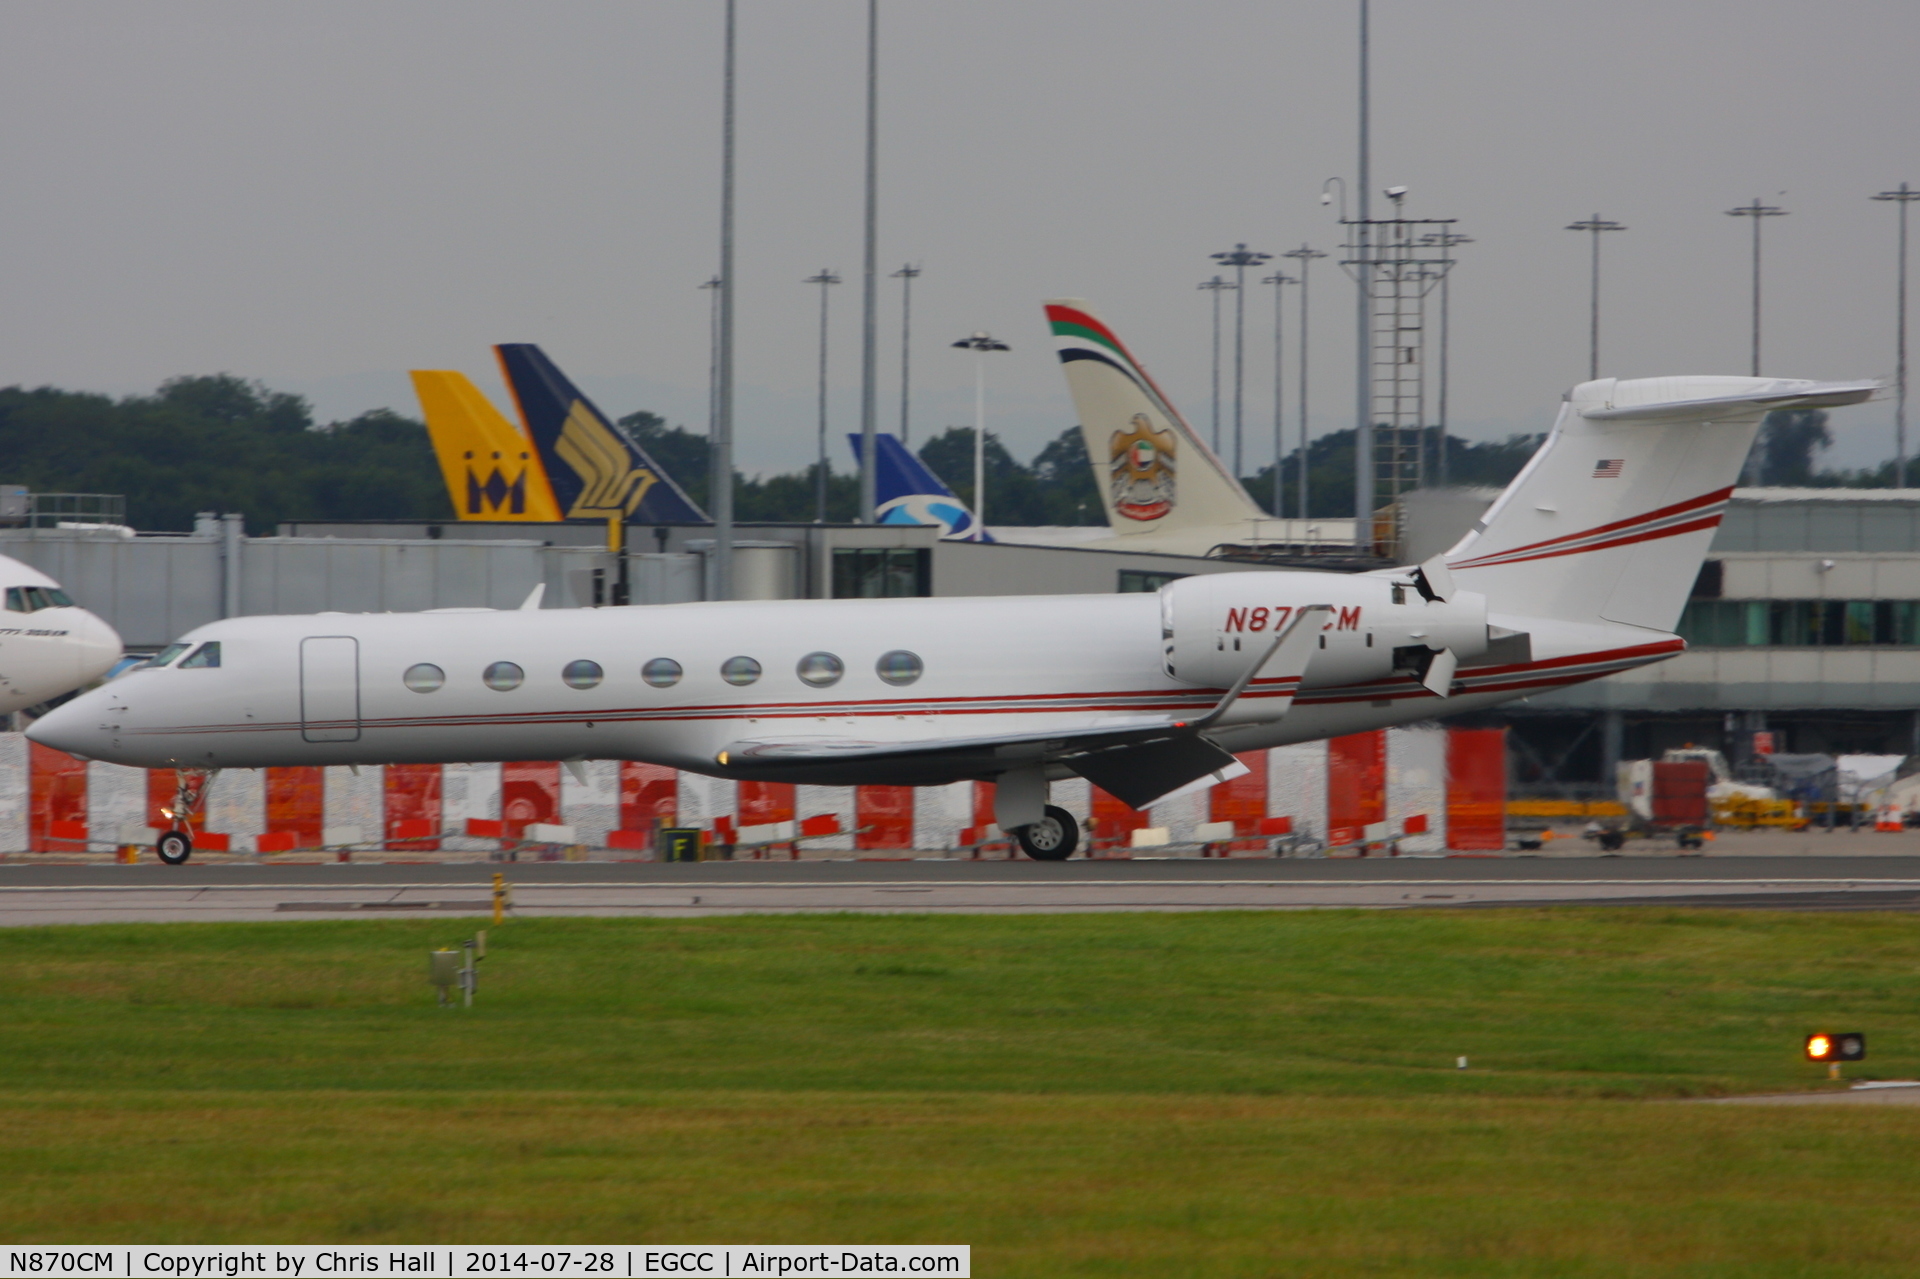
(899, 667)
(820, 669)
(503, 677)
(740, 670)
(207, 655)
(582, 674)
(661, 672)
(424, 677)
(164, 656)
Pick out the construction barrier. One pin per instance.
(1428, 789)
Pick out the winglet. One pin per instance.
(1292, 649)
(534, 596)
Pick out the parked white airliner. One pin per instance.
(48, 644)
(1579, 570)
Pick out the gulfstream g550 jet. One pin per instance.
(1580, 569)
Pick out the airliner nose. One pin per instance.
(97, 646)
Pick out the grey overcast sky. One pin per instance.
(322, 196)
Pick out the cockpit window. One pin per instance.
(206, 655)
(164, 656)
(31, 599)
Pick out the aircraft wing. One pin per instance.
(1137, 763)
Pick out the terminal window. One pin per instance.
(882, 572)
(1133, 581)
(1800, 623)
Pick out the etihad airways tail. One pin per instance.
(1153, 472)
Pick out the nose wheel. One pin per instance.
(1051, 839)
(174, 847)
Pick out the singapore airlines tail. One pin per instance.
(491, 469)
(598, 471)
(1153, 472)
(909, 493)
(1612, 517)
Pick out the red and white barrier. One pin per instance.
(1427, 789)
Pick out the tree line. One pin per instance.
(222, 443)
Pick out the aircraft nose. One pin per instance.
(74, 727)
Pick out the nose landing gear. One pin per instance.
(1051, 839)
(175, 844)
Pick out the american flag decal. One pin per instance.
(1608, 469)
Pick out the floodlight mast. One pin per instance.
(1594, 226)
(1756, 211)
(980, 342)
(720, 485)
(824, 280)
(1903, 197)
(1280, 281)
(1239, 258)
(1215, 286)
(1304, 255)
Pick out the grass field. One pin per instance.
(1165, 1094)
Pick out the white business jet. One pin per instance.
(1579, 570)
(48, 644)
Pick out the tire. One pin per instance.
(1051, 839)
(174, 847)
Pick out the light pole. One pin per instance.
(1756, 211)
(721, 484)
(1239, 258)
(1279, 282)
(1214, 286)
(869, 303)
(1904, 196)
(1444, 241)
(980, 343)
(906, 275)
(824, 279)
(1594, 226)
(713, 352)
(1304, 256)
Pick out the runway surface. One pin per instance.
(102, 893)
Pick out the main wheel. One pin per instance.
(1051, 839)
(174, 847)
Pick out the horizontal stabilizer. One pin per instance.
(1784, 393)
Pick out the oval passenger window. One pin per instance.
(582, 674)
(661, 672)
(503, 677)
(424, 677)
(820, 669)
(899, 667)
(740, 670)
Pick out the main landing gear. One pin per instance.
(1051, 839)
(175, 844)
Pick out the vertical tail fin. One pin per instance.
(598, 471)
(908, 493)
(1612, 517)
(1153, 472)
(492, 470)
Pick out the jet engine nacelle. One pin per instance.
(1214, 626)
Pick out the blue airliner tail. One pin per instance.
(596, 469)
(908, 493)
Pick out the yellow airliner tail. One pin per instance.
(492, 470)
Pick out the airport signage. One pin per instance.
(476, 1261)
